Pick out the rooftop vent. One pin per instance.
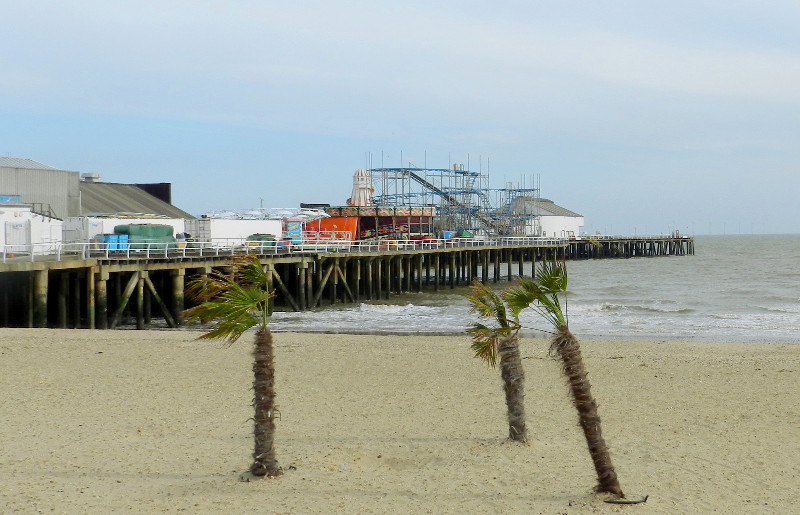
(90, 177)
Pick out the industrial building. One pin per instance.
(61, 194)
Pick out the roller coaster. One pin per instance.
(462, 197)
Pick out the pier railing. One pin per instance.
(57, 251)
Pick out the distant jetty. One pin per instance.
(105, 285)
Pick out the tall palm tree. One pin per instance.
(542, 294)
(500, 340)
(235, 302)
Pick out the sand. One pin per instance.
(157, 421)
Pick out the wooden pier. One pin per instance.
(109, 291)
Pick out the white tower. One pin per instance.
(362, 189)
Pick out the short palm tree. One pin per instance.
(235, 302)
(500, 340)
(542, 294)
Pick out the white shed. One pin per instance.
(23, 230)
(90, 227)
(226, 231)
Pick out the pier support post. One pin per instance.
(357, 279)
(437, 271)
(370, 275)
(301, 286)
(378, 278)
(427, 268)
(101, 299)
(140, 300)
(309, 285)
(407, 272)
(452, 271)
(419, 273)
(178, 300)
(387, 289)
(62, 293)
(40, 278)
(76, 297)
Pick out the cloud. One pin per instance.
(273, 63)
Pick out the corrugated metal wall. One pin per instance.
(57, 188)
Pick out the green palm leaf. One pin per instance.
(235, 301)
(488, 305)
(542, 294)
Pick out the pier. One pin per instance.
(102, 287)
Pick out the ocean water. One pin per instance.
(743, 288)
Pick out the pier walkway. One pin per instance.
(103, 286)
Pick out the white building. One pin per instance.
(226, 231)
(542, 217)
(24, 230)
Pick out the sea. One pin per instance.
(735, 288)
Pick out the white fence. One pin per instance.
(94, 250)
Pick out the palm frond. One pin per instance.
(527, 294)
(553, 277)
(484, 342)
(488, 304)
(250, 271)
(542, 294)
(234, 301)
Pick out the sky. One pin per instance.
(643, 116)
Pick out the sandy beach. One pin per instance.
(157, 421)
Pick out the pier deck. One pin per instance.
(82, 286)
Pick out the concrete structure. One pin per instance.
(542, 217)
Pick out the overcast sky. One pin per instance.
(643, 116)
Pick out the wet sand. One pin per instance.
(157, 421)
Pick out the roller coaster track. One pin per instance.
(486, 220)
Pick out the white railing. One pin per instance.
(180, 249)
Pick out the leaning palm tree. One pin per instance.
(542, 294)
(500, 340)
(235, 302)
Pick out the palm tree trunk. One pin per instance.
(569, 351)
(513, 376)
(264, 462)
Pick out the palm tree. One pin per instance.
(542, 293)
(501, 340)
(236, 302)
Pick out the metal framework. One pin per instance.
(462, 197)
